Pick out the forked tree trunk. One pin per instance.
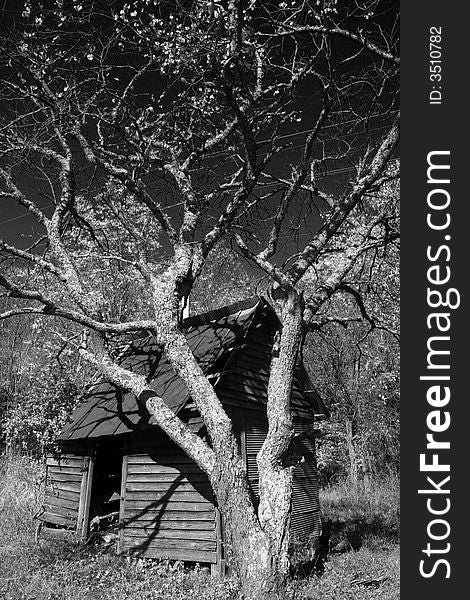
(253, 540)
(251, 551)
(257, 541)
(260, 542)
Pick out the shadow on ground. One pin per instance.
(339, 536)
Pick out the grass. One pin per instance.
(363, 575)
(368, 516)
(70, 571)
(364, 556)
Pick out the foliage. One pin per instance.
(41, 380)
(371, 510)
(361, 387)
(39, 411)
(379, 570)
(353, 353)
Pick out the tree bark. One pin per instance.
(275, 471)
(352, 454)
(250, 550)
(254, 550)
(257, 541)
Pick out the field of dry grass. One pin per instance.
(364, 566)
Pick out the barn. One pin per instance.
(116, 469)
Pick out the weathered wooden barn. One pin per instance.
(116, 465)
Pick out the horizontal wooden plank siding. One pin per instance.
(150, 551)
(64, 483)
(165, 459)
(55, 519)
(153, 467)
(160, 543)
(64, 461)
(196, 525)
(171, 534)
(168, 510)
(176, 514)
(157, 486)
(66, 494)
(67, 478)
(196, 502)
(55, 500)
(57, 470)
(165, 477)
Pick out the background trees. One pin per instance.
(356, 360)
(144, 137)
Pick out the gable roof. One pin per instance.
(217, 339)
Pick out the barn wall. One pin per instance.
(246, 374)
(67, 476)
(168, 509)
(306, 518)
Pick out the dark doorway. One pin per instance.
(106, 487)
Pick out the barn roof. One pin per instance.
(214, 338)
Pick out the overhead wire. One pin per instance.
(332, 172)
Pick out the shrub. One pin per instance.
(39, 412)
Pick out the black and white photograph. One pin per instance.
(200, 301)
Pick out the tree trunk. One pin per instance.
(352, 454)
(257, 544)
(275, 466)
(252, 552)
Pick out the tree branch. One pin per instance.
(50, 307)
(171, 424)
(290, 30)
(364, 184)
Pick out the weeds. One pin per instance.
(366, 515)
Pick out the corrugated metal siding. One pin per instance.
(65, 485)
(305, 518)
(255, 433)
(168, 509)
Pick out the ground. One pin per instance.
(363, 564)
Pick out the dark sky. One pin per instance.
(19, 228)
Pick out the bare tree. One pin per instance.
(143, 134)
